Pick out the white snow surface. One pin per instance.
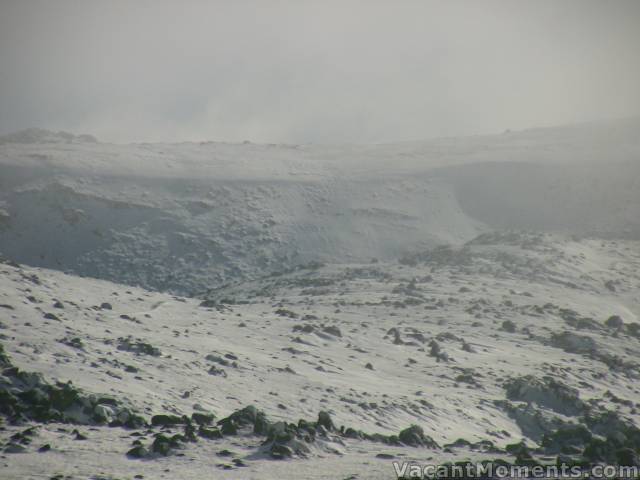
(330, 283)
(293, 373)
(190, 216)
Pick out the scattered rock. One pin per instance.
(139, 451)
(546, 392)
(167, 420)
(324, 420)
(508, 326)
(218, 372)
(138, 347)
(414, 436)
(200, 418)
(615, 322)
(14, 448)
(332, 330)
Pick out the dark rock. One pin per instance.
(546, 392)
(519, 448)
(138, 347)
(283, 312)
(633, 329)
(163, 444)
(285, 440)
(627, 457)
(569, 439)
(385, 456)
(167, 420)
(615, 322)
(203, 418)
(598, 450)
(324, 420)
(436, 352)
(573, 343)
(248, 416)
(306, 328)
(508, 326)
(209, 433)
(132, 421)
(353, 433)
(138, 452)
(280, 452)
(74, 342)
(414, 436)
(332, 330)
(14, 448)
(467, 347)
(28, 397)
(218, 372)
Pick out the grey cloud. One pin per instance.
(279, 71)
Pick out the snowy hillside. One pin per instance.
(513, 337)
(188, 217)
(243, 311)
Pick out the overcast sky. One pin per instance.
(296, 71)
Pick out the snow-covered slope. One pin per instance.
(502, 340)
(186, 217)
(337, 307)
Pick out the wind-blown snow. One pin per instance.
(186, 217)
